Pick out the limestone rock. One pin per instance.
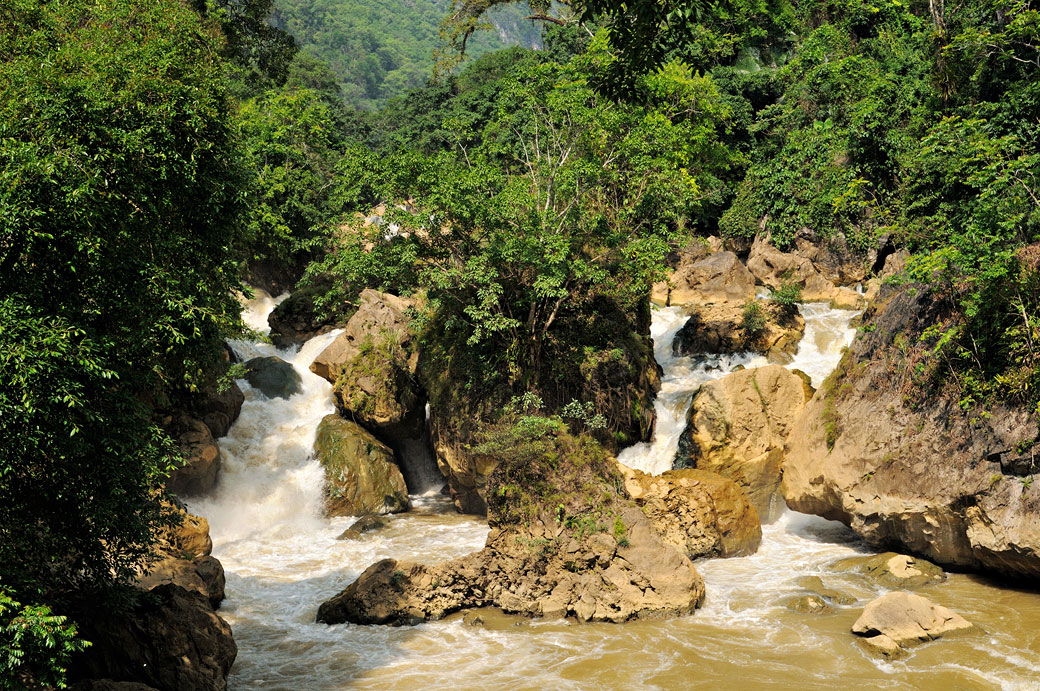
(171, 640)
(737, 427)
(893, 570)
(848, 299)
(372, 366)
(833, 258)
(898, 620)
(719, 277)
(360, 474)
(698, 512)
(774, 268)
(915, 473)
(202, 575)
(565, 541)
(198, 475)
(273, 376)
(719, 329)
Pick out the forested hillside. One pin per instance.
(381, 48)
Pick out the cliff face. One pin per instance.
(913, 471)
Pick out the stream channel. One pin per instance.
(282, 560)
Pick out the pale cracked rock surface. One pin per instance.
(737, 427)
(774, 268)
(718, 277)
(918, 474)
(898, 620)
(893, 570)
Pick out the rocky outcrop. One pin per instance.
(198, 475)
(170, 640)
(372, 366)
(700, 280)
(273, 376)
(565, 541)
(721, 329)
(908, 468)
(360, 474)
(833, 258)
(297, 320)
(183, 558)
(217, 408)
(895, 621)
(893, 570)
(700, 513)
(737, 426)
(774, 269)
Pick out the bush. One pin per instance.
(754, 322)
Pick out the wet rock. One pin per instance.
(170, 640)
(808, 604)
(365, 524)
(201, 466)
(895, 621)
(273, 376)
(218, 409)
(203, 575)
(565, 541)
(296, 320)
(737, 427)
(360, 474)
(720, 329)
(494, 619)
(893, 570)
(911, 470)
(372, 366)
(718, 277)
(701, 514)
(774, 268)
(814, 584)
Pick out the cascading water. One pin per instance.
(282, 560)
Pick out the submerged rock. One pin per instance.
(273, 376)
(365, 524)
(737, 427)
(910, 469)
(808, 604)
(815, 585)
(360, 474)
(893, 570)
(565, 541)
(700, 513)
(895, 621)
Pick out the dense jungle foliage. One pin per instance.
(151, 153)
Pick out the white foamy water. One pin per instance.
(282, 560)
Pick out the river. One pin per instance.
(282, 560)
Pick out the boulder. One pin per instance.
(198, 475)
(720, 329)
(372, 366)
(365, 524)
(909, 469)
(898, 620)
(833, 258)
(273, 376)
(170, 640)
(699, 513)
(564, 541)
(218, 409)
(774, 268)
(737, 427)
(203, 575)
(718, 277)
(296, 320)
(893, 570)
(360, 474)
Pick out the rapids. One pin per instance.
(282, 560)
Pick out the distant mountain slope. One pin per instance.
(381, 48)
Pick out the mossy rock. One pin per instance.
(360, 474)
(273, 376)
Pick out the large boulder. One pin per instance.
(700, 513)
(360, 474)
(718, 277)
(296, 319)
(372, 366)
(565, 541)
(898, 620)
(218, 408)
(182, 557)
(201, 466)
(833, 258)
(170, 639)
(774, 269)
(721, 329)
(893, 570)
(273, 376)
(910, 469)
(737, 426)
